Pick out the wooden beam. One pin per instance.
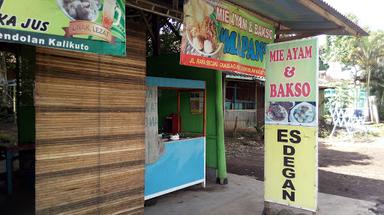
(155, 8)
(175, 4)
(174, 30)
(327, 15)
(165, 10)
(156, 33)
(147, 25)
(277, 37)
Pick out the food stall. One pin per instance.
(174, 135)
(90, 86)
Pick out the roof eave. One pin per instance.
(328, 12)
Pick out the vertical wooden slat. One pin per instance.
(90, 130)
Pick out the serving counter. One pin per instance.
(180, 165)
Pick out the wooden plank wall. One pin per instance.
(245, 119)
(90, 130)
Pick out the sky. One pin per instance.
(369, 12)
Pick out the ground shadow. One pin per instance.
(251, 162)
(331, 157)
(332, 183)
(329, 182)
(351, 186)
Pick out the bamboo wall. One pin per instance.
(90, 131)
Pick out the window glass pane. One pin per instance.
(240, 95)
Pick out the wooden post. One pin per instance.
(156, 33)
(235, 128)
(9, 165)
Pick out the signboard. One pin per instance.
(221, 36)
(197, 102)
(291, 118)
(96, 26)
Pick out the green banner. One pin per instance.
(222, 36)
(96, 26)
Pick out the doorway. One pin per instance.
(17, 129)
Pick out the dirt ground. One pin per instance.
(349, 167)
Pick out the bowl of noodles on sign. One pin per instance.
(303, 113)
(276, 113)
(201, 28)
(80, 9)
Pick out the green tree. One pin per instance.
(341, 49)
(323, 65)
(342, 97)
(368, 54)
(364, 55)
(169, 37)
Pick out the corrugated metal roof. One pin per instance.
(307, 17)
(343, 18)
(304, 15)
(240, 76)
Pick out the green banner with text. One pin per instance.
(222, 36)
(96, 26)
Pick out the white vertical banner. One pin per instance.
(152, 142)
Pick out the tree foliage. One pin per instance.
(365, 56)
(169, 38)
(323, 65)
(342, 97)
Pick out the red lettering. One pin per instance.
(281, 91)
(272, 56)
(289, 92)
(289, 71)
(272, 90)
(306, 89)
(295, 53)
(308, 51)
(281, 55)
(297, 89)
(277, 55)
(301, 54)
(289, 55)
